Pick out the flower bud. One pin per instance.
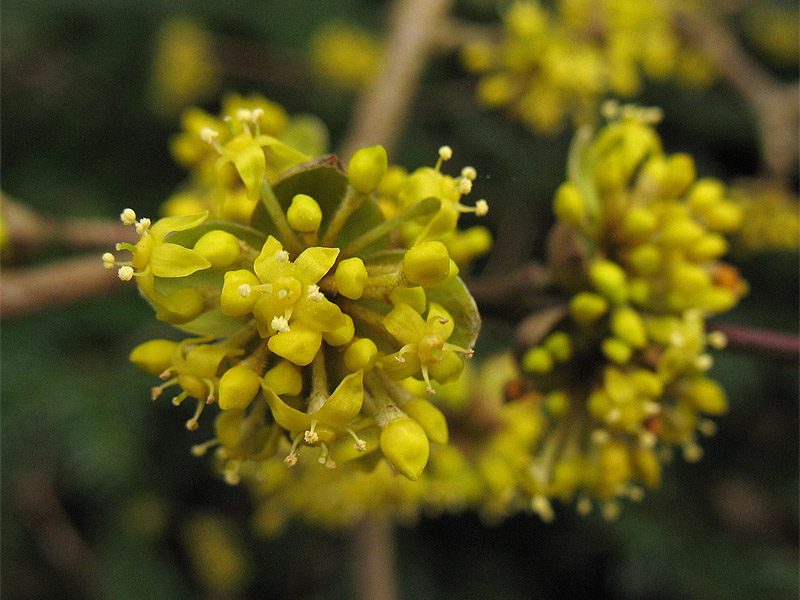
(538, 360)
(361, 354)
(182, 306)
(679, 176)
(367, 168)
(351, 278)
(219, 247)
(342, 335)
(430, 418)
(153, 357)
(638, 223)
(427, 264)
(228, 428)
(616, 350)
(609, 279)
(568, 205)
(707, 395)
(645, 259)
(586, 308)
(560, 346)
(237, 387)
(647, 467)
(406, 445)
(284, 378)
(231, 300)
(627, 325)
(705, 193)
(557, 403)
(725, 217)
(304, 214)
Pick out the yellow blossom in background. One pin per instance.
(185, 69)
(771, 218)
(345, 56)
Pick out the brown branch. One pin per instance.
(762, 342)
(25, 291)
(775, 104)
(509, 288)
(381, 111)
(373, 560)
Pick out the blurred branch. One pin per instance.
(373, 560)
(53, 531)
(775, 104)
(762, 342)
(28, 231)
(381, 112)
(25, 291)
(509, 289)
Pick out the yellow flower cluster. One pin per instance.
(307, 316)
(556, 63)
(623, 369)
(771, 218)
(346, 56)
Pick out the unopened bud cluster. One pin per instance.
(623, 373)
(555, 63)
(307, 316)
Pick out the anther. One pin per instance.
(704, 362)
(290, 460)
(128, 216)
(542, 507)
(692, 452)
(244, 290)
(717, 340)
(443, 321)
(244, 115)
(481, 208)
(155, 392)
(109, 260)
(706, 427)
(445, 153)
(142, 225)
(584, 506)
(464, 186)
(311, 436)
(314, 293)
(282, 256)
(257, 115)
(469, 173)
(280, 324)
(125, 273)
(209, 135)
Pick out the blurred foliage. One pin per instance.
(84, 452)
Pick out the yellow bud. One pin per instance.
(647, 383)
(568, 205)
(430, 418)
(616, 350)
(681, 233)
(231, 301)
(237, 387)
(609, 279)
(367, 168)
(413, 296)
(284, 378)
(614, 468)
(182, 306)
(478, 240)
(645, 259)
(599, 404)
(557, 403)
(219, 247)
(448, 369)
(393, 181)
(627, 325)
(339, 337)
(567, 475)
(708, 247)
(560, 346)
(725, 217)
(707, 395)
(679, 176)
(351, 278)
(228, 428)
(427, 264)
(719, 299)
(153, 357)
(647, 466)
(705, 193)
(638, 223)
(586, 308)
(361, 354)
(538, 360)
(304, 214)
(690, 278)
(406, 445)
(639, 291)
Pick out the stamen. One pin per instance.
(717, 340)
(291, 459)
(600, 436)
(647, 439)
(180, 398)
(464, 186)
(469, 173)
(445, 153)
(165, 375)
(611, 510)
(399, 359)
(210, 399)
(201, 449)
(125, 273)
(443, 321)
(704, 362)
(323, 456)
(427, 379)
(109, 260)
(128, 216)
(314, 294)
(282, 256)
(360, 444)
(542, 507)
(142, 225)
(706, 427)
(481, 208)
(229, 122)
(244, 115)
(244, 290)
(584, 506)
(280, 324)
(692, 452)
(232, 472)
(311, 437)
(209, 135)
(257, 115)
(635, 493)
(192, 423)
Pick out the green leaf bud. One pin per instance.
(586, 307)
(430, 418)
(537, 360)
(284, 378)
(351, 278)
(609, 279)
(616, 350)
(405, 443)
(231, 301)
(568, 205)
(707, 395)
(560, 346)
(367, 168)
(342, 335)
(153, 357)
(361, 354)
(557, 403)
(427, 264)
(627, 325)
(304, 214)
(237, 387)
(413, 296)
(219, 247)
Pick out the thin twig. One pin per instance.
(25, 291)
(784, 347)
(373, 560)
(775, 104)
(381, 113)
